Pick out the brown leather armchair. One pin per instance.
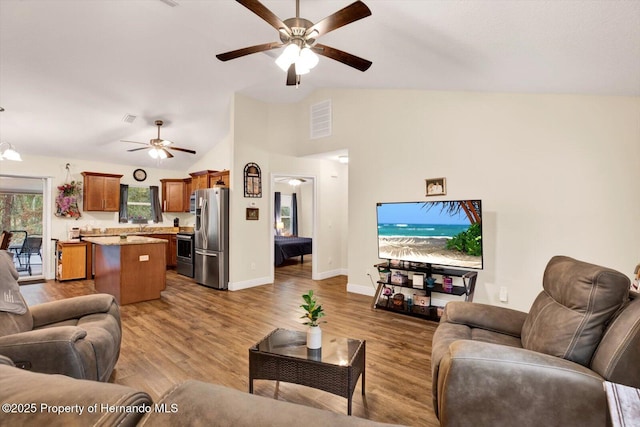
(494, 366)
(78, 337)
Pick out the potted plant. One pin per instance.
(314, 312)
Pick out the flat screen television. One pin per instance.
(443, 233)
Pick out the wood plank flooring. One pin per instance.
(194, 332)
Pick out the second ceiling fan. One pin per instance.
(299, 36)
(158, 147)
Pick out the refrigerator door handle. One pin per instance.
(204, 218)
(205, 254)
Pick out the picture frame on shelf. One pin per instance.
(436, 186)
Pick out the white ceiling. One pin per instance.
(70, 70)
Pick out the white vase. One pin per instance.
(314, 337)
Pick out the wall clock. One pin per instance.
(139, 175)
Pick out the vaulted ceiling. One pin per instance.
(71, 70)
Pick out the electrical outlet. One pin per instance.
(503, 294)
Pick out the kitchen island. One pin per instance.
(131, 269)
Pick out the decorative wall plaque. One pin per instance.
(252, 180)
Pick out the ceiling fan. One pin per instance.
(293, 181)
(158, 146)
(299, 36)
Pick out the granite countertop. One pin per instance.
(133, 231)
(117, 241)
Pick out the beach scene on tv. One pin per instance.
(447, 233)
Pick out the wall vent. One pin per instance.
(128, 118)
(321, 119)
(171, 3)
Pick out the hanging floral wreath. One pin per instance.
(67, 200)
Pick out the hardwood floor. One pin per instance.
(194, 332)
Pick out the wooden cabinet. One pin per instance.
(172, 251)
(172, 247)
(209, 179)
(101, 192)
(200, 180)
(187, 194)
(219, 179)
(175, 195)
(71, 260)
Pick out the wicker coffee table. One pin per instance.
(283, 356)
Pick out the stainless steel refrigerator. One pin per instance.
(211, 266)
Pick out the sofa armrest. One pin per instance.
(72, 308)
(486, 384)
(43, 336)
(60, 350)
(44, 393)
(489, 317)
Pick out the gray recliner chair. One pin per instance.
(78, 337)
(494, 366)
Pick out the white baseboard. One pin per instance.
(236, 286)
(331, 273)
(361, 289)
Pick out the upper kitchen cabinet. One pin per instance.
(101, 192)
(175, 195)
(209, 179)
(219, 179)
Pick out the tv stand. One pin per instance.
(392, 277)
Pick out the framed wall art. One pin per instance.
(253, 214)
(252, 180)
(436, 186)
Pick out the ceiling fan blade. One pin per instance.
(247, 51)
(292, 78)
(340, 56)
(347, 15)
(182, 149)
(261, 10)
(169, 155)
(138, 149)
(134, 142)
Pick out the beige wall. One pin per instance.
(557, 174)
(265, 134)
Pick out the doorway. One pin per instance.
(24, 202)
(296, 220)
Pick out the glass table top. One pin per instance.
(335, 350)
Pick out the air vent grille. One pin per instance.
(128, 118)
(321, 119)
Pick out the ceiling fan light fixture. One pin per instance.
(158, 153)
(308, 58)
(288, 56)
(9, 153)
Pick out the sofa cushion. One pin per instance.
(36, 399)
(14, 313)
(569, 316)
(195, 403)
